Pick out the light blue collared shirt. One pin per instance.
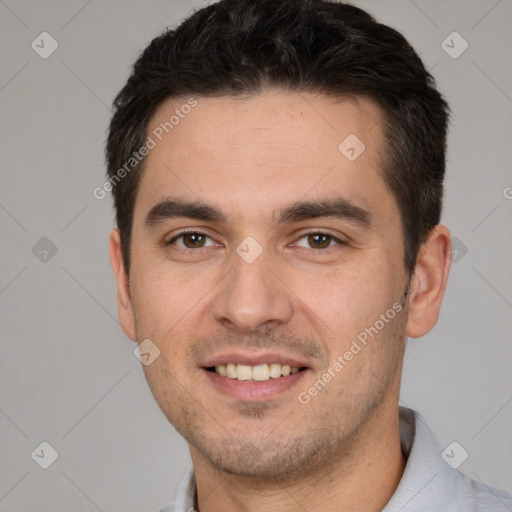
(428, 483)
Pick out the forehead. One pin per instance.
(254, 153)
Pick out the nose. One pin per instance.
(253, 296)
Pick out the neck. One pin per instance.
(362, 478)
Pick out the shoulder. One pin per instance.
(430, 482)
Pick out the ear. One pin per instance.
(429, 282)
(124, 301)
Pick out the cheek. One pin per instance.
(162, 299)
(348, 298)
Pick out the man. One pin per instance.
(277, 170)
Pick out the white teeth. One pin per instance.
(231, 370)
(261, 372)
(275, 370)
(243, 372)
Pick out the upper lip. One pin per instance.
(254, 359)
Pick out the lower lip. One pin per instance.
(254, 390)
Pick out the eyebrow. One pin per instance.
(172, 208)
(339, 208)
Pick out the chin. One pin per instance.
(266, 460)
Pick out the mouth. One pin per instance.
(254, 378)
(257, 373)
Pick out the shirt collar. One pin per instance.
(427, 480)
(186, 496)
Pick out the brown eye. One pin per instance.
(190, 240)
(319, 240)
(193, 240)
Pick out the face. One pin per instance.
(289, 265)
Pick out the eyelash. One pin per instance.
(309, 233)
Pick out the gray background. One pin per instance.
(68, 375)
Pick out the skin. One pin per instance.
(250, 157)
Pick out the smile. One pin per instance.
(259, 373)
(252, 376)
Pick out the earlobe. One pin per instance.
(124, 301)
(429, 282)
